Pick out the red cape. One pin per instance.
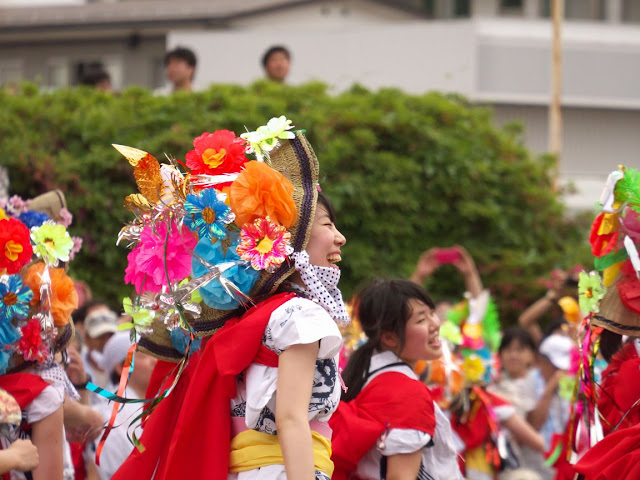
(620, 389)
(24, 387)
(618, 455)
(188, 435)
(390, 400)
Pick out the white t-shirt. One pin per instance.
(439, 456)
(297, 322)
(118, 447)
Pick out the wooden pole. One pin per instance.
(555, 112)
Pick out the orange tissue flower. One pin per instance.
(261, 191)
(64, 298)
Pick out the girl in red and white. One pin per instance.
(387, 425)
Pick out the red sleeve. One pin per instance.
(391, 400)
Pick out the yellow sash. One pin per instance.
(251, 450)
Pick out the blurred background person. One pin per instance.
(276, 62)
(179, 69)
(97, 78)
(117, 447)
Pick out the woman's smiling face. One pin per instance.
(325, 240)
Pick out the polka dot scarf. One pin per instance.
(322, 286)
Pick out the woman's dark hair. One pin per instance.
(382, 306)
(521, 335)
(610, 344)
(328, 206)
(275, 49)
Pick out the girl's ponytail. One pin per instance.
(355, 373)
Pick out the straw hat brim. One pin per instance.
(614, 314)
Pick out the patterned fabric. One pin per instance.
(322, 285)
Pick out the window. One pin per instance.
(631, 11)
(11, 71)
(577, 9)
(511, 7)
(57, 73)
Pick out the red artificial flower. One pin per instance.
(15, 246)
(216, 153)
(602, 244)
(31, 345)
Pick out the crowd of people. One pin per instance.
(180, 69)
(227, 362)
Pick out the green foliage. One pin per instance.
(405, 172)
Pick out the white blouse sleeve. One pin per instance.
(402, 440)
(299, 322)
(49, 400)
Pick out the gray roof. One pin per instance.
(135, 13)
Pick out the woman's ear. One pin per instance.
(389, 340)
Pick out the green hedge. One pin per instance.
(405, 172)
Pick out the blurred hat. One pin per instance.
(101, 321)
(557, 349)
(115, 351)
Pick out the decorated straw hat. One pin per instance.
(233, 222)
(611, 295)
(36, 294)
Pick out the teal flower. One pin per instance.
(14, 299)
(590, 291)
(208, 215)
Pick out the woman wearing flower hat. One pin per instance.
(254, 400)
(611, 300)
(36, 301)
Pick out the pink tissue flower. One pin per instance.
(147, 269)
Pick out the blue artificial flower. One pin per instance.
(180, 339)
(9, 335)
(14, 299)
(243, 276)
(33, 219)
(207, 214)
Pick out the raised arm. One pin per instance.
(530, 317)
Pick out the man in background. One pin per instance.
(180, 68)
(276, 62)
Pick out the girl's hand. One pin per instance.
(425, 267)
(25, 454)
(464, 263)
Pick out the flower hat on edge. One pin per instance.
(217, 237)
(36, 294)
(612, 301)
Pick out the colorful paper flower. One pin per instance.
(264, 244)
(141, 318)
(216, 153)
(473, 368)
(9, 335)
(161, 253)
(15, 245)
(31, 344)
(590, 291)
(14, 299)
(602, 243)
(243, 277)
(52, 243)
(31, 218)
(180, 340)
(268, 137)
(63, 299)
(207, 214)
(261, 191)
